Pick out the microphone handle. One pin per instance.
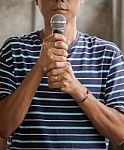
(58, 31)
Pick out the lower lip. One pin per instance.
(60, 9)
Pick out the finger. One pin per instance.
(48, 44)
(56, 65)
(59, 37)
(55, 58)
(52, 57)
(57, 78)
(54, 85)
(60, 52)
(55, 37)
(57, 45)
(55, 72)
(61, 45)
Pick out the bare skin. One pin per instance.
(52, 61)
(3, 144)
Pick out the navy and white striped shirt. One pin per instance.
(54, 121)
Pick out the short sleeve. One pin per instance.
(7, 81)
(114, 93)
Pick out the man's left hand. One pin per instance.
(62, 77)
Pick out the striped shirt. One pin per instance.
(54, 121)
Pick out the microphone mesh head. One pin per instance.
(58, 22)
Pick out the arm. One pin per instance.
(18, 103)
(108, 121)
(13, 108)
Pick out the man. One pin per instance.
(61, 91)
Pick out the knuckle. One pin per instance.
(51, 57)
(48, 53)
(65, 53)
(63, 58)
(61, 43)
(68, 64)
(45, 69)
(64, 84)
(65, 76)
(44, 44)
(65, 46)
(62, 88)
(68, 67)
(56, 64)
(56, 36)
(52, 72)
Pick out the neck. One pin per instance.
(70, 33)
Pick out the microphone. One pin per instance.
(58, 23)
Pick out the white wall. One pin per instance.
(15, 18)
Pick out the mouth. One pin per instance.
(60, 8)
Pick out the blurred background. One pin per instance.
(103, 18)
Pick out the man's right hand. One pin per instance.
(54, 50)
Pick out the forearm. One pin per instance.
(14, 107)
(108, 121)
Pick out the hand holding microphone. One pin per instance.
(54, 48)
(54, 58)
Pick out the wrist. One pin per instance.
(80, 93)
(40, 67)
(84, 98)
